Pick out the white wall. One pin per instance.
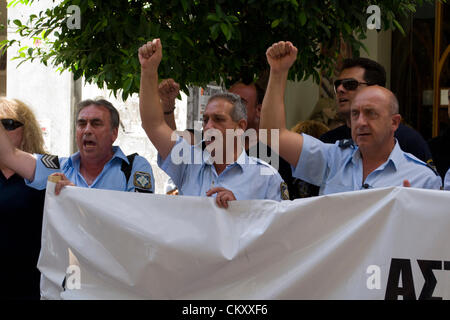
(44, 89)
(379, 46)
(300, 99)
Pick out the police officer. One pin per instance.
(252, 95)
(374, 160)
(356, 74)
(97, 164)
(212, 175)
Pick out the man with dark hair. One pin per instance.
(373, 160)
(97, 164)
(222, 169)
(359, 73)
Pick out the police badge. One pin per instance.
(142, 180)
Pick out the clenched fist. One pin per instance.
(168, 91)
(150, 55)
(281, 56)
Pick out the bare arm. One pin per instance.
(168, 91)
(21, 162)
(280, 57)
(150, 107)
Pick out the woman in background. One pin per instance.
(21, 208)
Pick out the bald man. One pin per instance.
(373, 159)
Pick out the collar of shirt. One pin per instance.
(242, 160)
(74, 160)
(395, 158)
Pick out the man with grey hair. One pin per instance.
(223, 169)
(98, 164)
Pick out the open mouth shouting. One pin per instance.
(89, 143)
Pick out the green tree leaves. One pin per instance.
(203, 40)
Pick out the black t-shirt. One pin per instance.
(21, 209)
(409, 140)
(440, 149)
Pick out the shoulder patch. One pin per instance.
(142, 180)
(346, 143)
(50, 161)
(284, 191)
(430, 164)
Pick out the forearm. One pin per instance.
(150, 106)
(21, 162)
(170, 120)
(273, 109)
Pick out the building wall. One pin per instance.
(44, 89)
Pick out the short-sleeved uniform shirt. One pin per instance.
(338, 168)
(248, 178)
(409, 139)
(111, 178)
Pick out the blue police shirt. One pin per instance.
(111, 177)
(337, 169)
(248, 178)
(447, 180)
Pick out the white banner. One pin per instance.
(374, 244)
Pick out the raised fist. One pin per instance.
(281, 56)
(168, 91)
(150, 55)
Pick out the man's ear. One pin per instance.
(396, 119)
(115, 133)
(258, 110)
(242, 124)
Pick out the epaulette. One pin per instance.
(50, 161)
(269, 169)
(430, 164)
(346, 143)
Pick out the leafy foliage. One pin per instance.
(203, 40)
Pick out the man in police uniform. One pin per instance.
(238, 179)
(356, 74)
(97, 164)
(374, 160)
(252, 96)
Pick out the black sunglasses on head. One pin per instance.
(10, 124)
(348, 84)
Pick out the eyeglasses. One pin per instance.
(10, 124)
(348, 84)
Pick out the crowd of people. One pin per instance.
(371, 148)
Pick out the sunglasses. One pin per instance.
(348, 84)
(10, 124)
